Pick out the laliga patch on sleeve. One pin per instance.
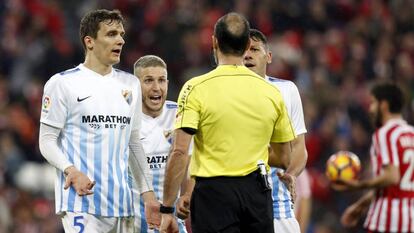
(46, 104)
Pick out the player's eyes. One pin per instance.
(147, 81)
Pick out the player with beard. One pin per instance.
(389, 202)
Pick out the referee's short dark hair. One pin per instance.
(391, 93)
(232, 33)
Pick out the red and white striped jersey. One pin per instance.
(393, 207)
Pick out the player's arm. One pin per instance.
(282, 156)
(296, 162)
(142, 176)
(355, 211)
(299, 152)
(174, 174)
(299, 156)
(138, 165)
(304, 205)
(279, 154)
(183, 203)
(48, 145)
(293, 163)
(176, 166)
(389, 176)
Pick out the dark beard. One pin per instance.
(378, 119)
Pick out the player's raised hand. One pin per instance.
(80, 182)
(168, 224)
(290, 182)
(152, 214)
(183, 207)
(351, 215)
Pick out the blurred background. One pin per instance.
(332, 50)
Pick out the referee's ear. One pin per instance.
(214, 42)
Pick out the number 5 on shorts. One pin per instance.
(78, 222)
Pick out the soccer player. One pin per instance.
(234, 115)
(156, 130)
(390, 196)
(256, 59)
(90, 117)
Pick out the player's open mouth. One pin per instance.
(249, 65)
(155, 99)
(116, 51)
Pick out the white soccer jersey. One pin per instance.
(96, 115)
(156, 138)
(282, 202)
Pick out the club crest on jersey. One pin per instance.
(46, 104)
(168, 135)
(127, 94)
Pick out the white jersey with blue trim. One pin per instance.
(96, 114)
(156, 138)
(282, 203)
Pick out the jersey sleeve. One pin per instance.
(385, 143)
(136, 124)
(282, 131)
(296, 115)
(188, 113)
(54, 103)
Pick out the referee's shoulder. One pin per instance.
(199, 79)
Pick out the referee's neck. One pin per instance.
(230, 60)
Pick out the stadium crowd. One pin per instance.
(332, 50)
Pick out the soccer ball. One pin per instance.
(343, 165)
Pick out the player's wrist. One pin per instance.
(166, 209)
(290, 175)
(68, 170)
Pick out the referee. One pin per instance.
(233, 115)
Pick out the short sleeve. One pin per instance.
(138, 109)
(188, 113)
(296, 114)
(283, 131)
(54, 103)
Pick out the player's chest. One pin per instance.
(156, 140)
(102, 98)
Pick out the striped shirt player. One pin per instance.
(156, 137)
(96, 114)
(283, 207)
(393, 207)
